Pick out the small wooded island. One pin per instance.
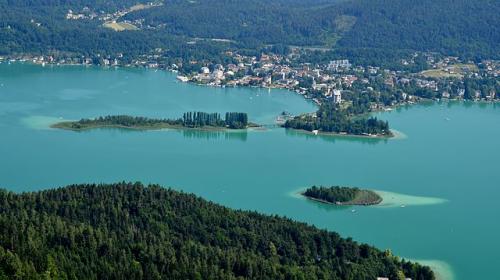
(190, 120)
(342, 195)
(332, 119)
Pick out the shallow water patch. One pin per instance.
(442, 270)
(40, 122)
(391, 200)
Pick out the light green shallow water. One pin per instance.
(443, 168)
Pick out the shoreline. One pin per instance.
(335, 134)
(17, 59)
(63, 126)
(420, 100)
(442, 270)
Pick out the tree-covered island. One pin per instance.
(342, 195)
(190, 120)
(332, 119)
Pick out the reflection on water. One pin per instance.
(329, 207)
(240, 135)
(214, 134)
(467, 104)
(334, 138)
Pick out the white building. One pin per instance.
(268, 80)
(335, 65)
(337, 96)
(205, 70)
(218, 75)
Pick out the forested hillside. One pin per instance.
(128, 231)
(355, 29)
(290, 22)
(41, 27)
(455, 27)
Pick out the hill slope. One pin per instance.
(456, 27)
(353, 27)
(128, 231)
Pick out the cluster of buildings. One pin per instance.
(331, 80)
(87, 14)
(274, 71)
(491, 68)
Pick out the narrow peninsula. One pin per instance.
(190, 120)
(342, 195)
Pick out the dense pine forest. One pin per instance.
(470, 29)
(332, 194)
(129, 231)
(342, 195)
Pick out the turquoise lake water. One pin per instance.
(443, 168)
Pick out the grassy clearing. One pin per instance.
(439, 73)
(120, 26)
(139, 7)
(452, 71)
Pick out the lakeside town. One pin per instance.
(339, 81)
(342, 82)
(445, 80)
